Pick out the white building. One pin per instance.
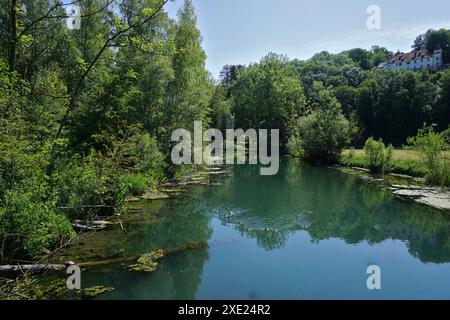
(415, 60)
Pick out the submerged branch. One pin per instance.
(140, 266)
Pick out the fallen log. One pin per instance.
(90, 264)
(81, 227)
(34, 268)
(101, 206)
(39, 268)
(92, 226)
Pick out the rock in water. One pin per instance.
(435, 197)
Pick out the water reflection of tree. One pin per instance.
(330, 204)
(178, 277)
(161, 224)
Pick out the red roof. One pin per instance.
(410, 56)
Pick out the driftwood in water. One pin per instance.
(92, 226)
(87, 207)
(81, 227)
(37, 268)
(33, 268)
(166, 252)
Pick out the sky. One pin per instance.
(243, 31)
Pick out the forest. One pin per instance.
(86, 115)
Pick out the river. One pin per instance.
(306, 233)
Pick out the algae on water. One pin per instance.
(148, 262)
(90, 293)
(30, 288)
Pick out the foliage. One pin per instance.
(81, 108)
(320, 136)
(446, 135)
(221, 109)
(409, 167)
(28, 223)
(85, 181)
(323, 135)
(379, 155)
(432, 147)
(435, 39)
(268, 95)
(138, 153)
(136, 184)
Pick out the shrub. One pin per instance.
(82, 182)
(321, 137)
(351, 153)
(379, 155)
(139, 153)
(294, 146)
(28, 223)
(432, 148)
(136, 184)
(446, 135)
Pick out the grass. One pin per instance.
(137, 184)
(397, 155)
(403, 162)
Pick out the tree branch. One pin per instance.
(75, 93)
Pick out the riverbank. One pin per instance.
(405, 187)
(405, 162)
(101, 232)
(305, 216)
(199, 176)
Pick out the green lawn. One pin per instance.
(404, 161)
(398, 154)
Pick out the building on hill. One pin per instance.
(415, 60)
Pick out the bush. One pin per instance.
(136, 184)
(90, 181)
(446, 135)
(432, 148)
(139, 153)
(379, 155)
(28, 223)
(321, 137)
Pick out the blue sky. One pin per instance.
(243, 31)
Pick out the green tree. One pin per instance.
(321, 135)
(432, 148)
(439, 38)
(190, 91)
(268, 95)
(379, 155)
(361, 57)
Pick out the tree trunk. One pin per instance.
(13, 36)
(37, 268)
(12, 51)
(32, 268)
